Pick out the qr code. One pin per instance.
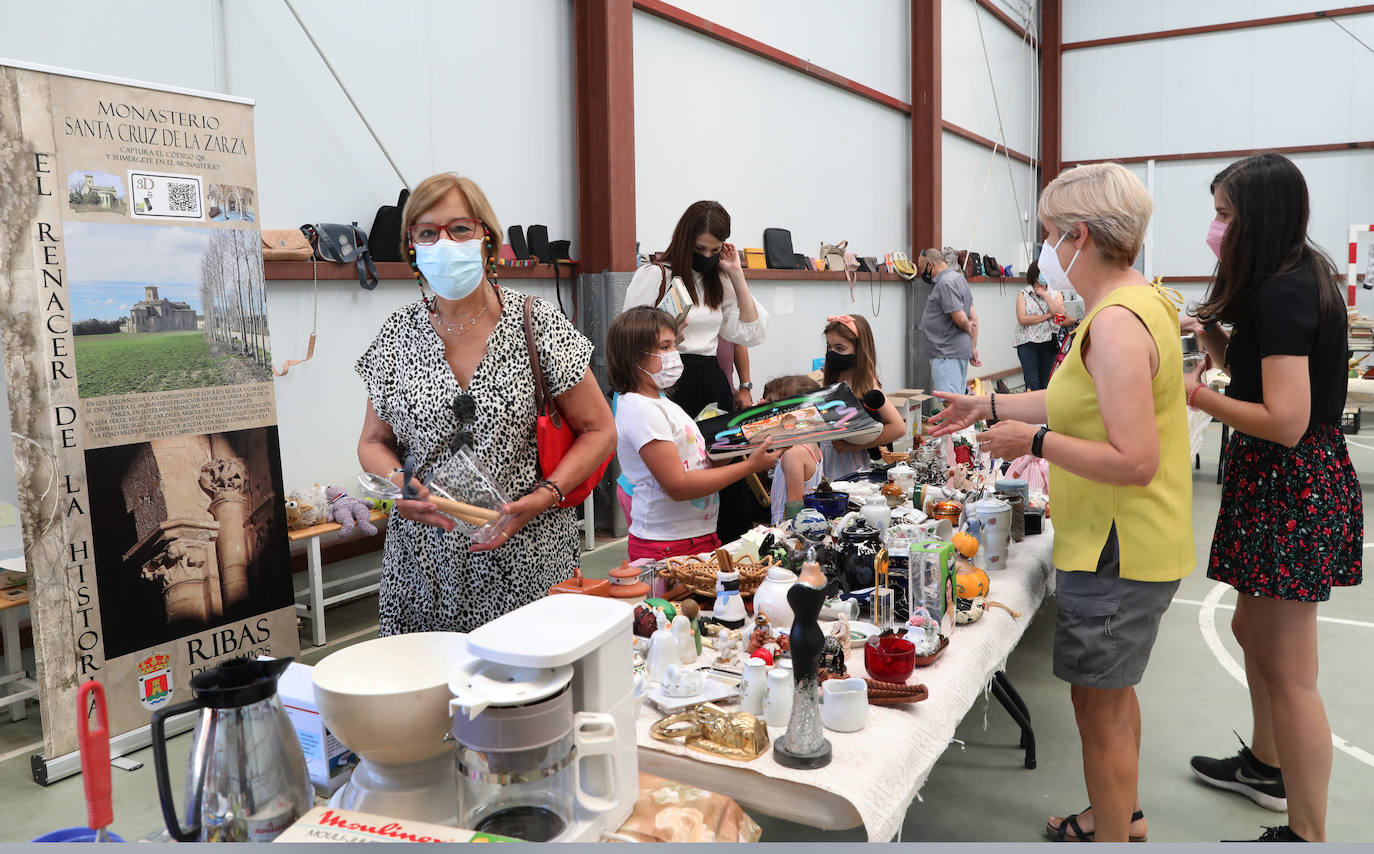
(182, 197)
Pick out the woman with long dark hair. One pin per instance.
(710, 268)
(1291, 524)
(722, 306)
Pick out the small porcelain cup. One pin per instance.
(844, 704)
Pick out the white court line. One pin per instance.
(1359, 444)
(615, 542)
(1206, 620)
(20, 751)
(1336, 620)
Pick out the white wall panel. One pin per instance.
(992, 222)
(867, 42)
(1098, 19)
(776, 148)
(1297, 84)
(158, 41)
(967, 94)
(479, 88)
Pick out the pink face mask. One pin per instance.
(1215, 232)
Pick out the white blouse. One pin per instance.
(704, 325)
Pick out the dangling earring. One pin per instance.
(491, 263)
(410, 250)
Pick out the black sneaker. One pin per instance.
(1245, 774)
(1283, 833)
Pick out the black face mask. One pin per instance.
(705, 263)
(927, 277)
(838, 363)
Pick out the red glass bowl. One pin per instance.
(889, 658)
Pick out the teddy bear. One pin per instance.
(347, 511)
(310, 504)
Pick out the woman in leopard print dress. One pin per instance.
(464, 344)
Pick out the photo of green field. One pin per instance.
(163, 308)
(152, 361)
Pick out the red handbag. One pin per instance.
(553, 435)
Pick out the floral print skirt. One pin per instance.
(1292, 519)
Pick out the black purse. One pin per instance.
(778, 252)
(384, 240)
(515, 236)
(343, 244)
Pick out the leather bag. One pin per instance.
(553, 434)
(343, 244)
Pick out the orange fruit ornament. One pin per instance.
(966, 543)
(972, 584)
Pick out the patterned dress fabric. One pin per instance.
(430, 582)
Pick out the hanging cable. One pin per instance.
(1347, 32)
(1001, 129)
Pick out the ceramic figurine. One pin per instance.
(681, 631)
(662, 654)
(840, 631)
(729, 607)
(728, 646)
(678, 681)
(804, 744)
(761, 636)
(692, 611)
(832, 659)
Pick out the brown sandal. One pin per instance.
(1070, 823)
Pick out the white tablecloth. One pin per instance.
(880, 769)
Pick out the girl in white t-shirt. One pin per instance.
(661, 451)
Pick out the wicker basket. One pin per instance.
(699, 576)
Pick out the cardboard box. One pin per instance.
(328, 824)
(329, 762)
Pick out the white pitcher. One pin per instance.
(777, 697)
(771, 597)
(752, 686)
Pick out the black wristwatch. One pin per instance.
(1038, 443)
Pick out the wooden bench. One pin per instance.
(14, 602)
(314, 592)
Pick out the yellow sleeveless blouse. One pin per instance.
(1154, 523)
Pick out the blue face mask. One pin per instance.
(452, 270)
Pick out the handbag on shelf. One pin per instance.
(553, 434)
(991, 268)
(833, 253)
(285, 244)
(384, 239)
(778, 252)
(343, 244)
(973, 267)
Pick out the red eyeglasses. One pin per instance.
(458, 230)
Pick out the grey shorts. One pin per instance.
(1106, 625)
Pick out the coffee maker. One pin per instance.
(544, 711)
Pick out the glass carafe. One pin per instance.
(525, 794)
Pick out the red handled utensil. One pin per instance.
(95, 758)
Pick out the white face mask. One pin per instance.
(451, 269)
(1056, 277)
(669, 370)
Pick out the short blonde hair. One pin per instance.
(433, 189)
(1106, 197)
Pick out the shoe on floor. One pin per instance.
(1282, 833)
(1245, 774)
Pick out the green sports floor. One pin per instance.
(1190, 702)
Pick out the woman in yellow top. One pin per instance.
(1117, 443)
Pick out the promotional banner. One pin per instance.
(138, 358)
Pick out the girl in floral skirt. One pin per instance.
(1291, 524)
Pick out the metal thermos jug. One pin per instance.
(246, 780)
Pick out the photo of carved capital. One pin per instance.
(222, 477)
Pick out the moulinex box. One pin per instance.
(327, 824)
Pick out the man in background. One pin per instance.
(949, 324)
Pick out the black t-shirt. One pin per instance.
(1285, 320)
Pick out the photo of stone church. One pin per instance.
(190, 534)
(92, 191)
(155, 314)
